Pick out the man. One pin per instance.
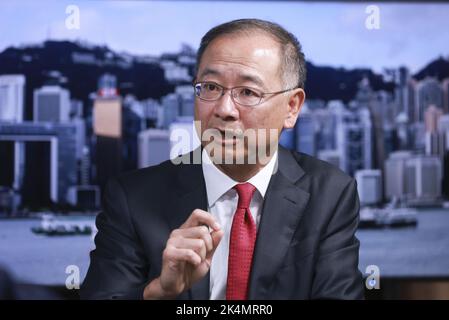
(279, 225)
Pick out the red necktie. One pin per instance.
(241, 246)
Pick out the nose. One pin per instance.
(225, 107)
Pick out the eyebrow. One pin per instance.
(246, 77)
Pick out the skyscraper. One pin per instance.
(443, 132)
(153, 147)
(153, 113)
(423, 176)
(305, 133)
(354, 139)
(51, 104)
(432, 137)
(42, 160)
(445, 180)
(431, 117)
(411, 114)
(394, 176)
(11, 97)
(171, 106)
(445, 86)
(325, 130)
(403, 131)
(186, 100)
(402, 91)
(419, 133)
(84, 197)
(428, 92)
(369, 186)
(390, 142)
(107, 86)
(107, 125)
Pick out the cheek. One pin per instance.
(202, 115)
(264, 120)
(196, 112)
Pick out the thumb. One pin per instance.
(216, 236)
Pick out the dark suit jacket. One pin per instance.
(305, 247)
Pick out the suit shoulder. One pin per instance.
(319, 169)
(152, 175)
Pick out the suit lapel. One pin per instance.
(281, 213)
(189, 194)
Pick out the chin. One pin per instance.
(221, 153)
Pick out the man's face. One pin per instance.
(243, 60)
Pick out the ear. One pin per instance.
(294, 104)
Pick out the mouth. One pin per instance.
(227, 139)
(227, 136)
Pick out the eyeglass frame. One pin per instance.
(262, 94)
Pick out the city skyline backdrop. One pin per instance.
(85, 112)
(329, 32)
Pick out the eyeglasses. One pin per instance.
(245, 96)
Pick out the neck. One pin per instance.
(243, 172)
(240, 172)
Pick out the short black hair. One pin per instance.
(293, 65)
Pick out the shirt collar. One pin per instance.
(218, 183)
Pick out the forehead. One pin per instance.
(249, 57)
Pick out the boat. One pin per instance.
(393, 215)
(52, 225)
(398, 217)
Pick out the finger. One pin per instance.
(182, 255)
(216, 238)
(200, 232)
(200, 217)
(196, 245)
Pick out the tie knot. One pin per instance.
(245, 192)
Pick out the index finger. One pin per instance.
(200, 217)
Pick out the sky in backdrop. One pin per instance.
(333, 34)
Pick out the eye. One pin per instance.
(247, 92)
(210, 86)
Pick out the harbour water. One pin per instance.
(421, 251)
(40, 259)
(410, 252)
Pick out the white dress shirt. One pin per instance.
(222, 203)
